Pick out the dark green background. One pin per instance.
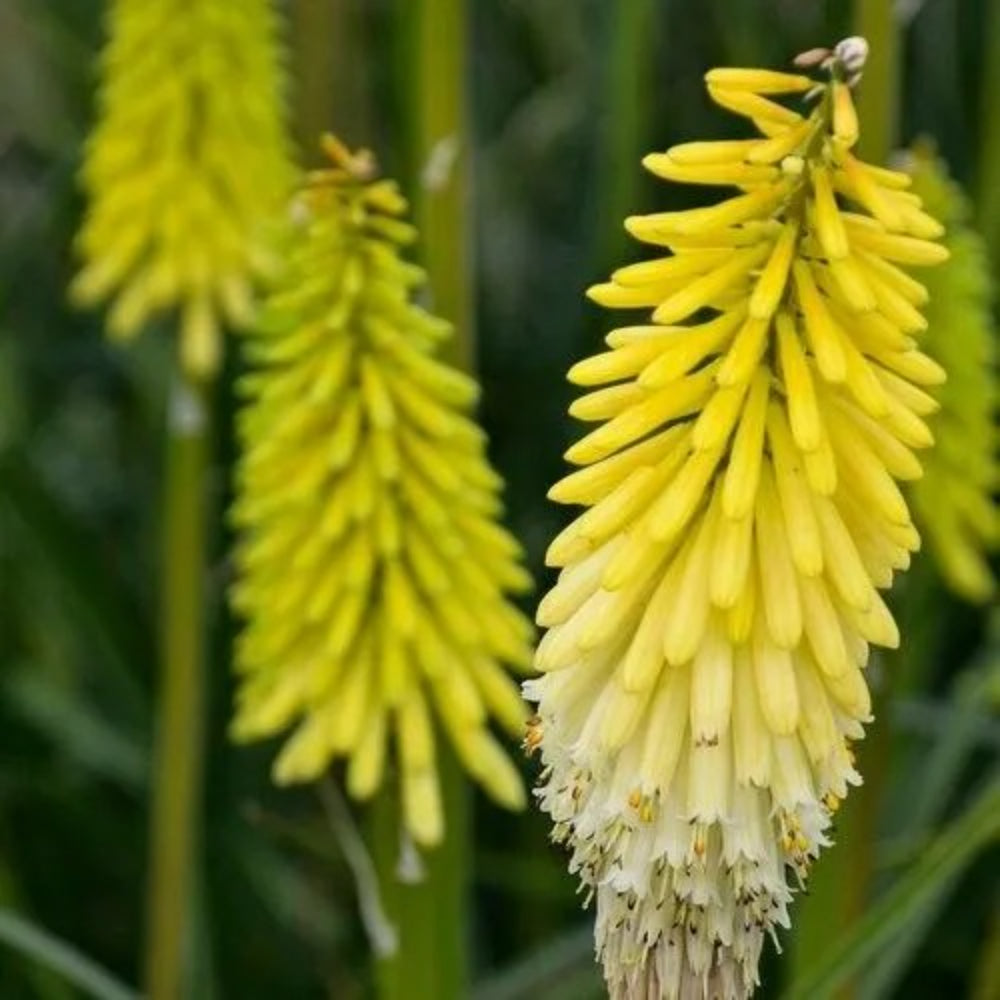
(563, 105)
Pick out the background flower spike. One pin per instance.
(185, 172)
(373, 575)
(954, 501)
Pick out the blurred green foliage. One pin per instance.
(565, 95)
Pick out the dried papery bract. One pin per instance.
(373, 572)
(186, 170)
(708, 634)
(955, 499)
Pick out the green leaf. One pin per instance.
(102, 604)
(39, 945)
(922, 886)
(78, 729)
(561, 969)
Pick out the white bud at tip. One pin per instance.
(852, 53)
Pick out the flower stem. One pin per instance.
(627, 112)
(878, 92)
(430, 916)
(427, 906)
(178, 757)
(442, 193)
(989, 158)
(332, 78)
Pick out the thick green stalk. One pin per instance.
(627, 111)
(878, 92)
(427, 907)
(988, 190)
(431, 915)
(178, 761)
(442, 143)
(314, 33)
(331, 73)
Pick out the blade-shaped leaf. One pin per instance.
(924, 883)
(40, 946)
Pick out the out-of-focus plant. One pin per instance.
(372, 571)
(185, 172)
(187, 164)
(955, 499)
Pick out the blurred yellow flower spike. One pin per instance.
(954, 501)
(373, 572)
(187, 167)
(703, 668)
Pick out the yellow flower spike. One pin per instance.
(719, 594)
(186, 171)
(371, 575)
(954, 502)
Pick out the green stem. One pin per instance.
(178, 762)
(989, 157)
(431, 916)
(429, 912)
(330, 92)
(878, 92)
(626, 115)
(442, 141)
(986, 980)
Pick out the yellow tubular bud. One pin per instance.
(759, 81)
(739, 621)
(587, 486)
(744, 464)
(702, 291)
(665, 738)
(681, 399)
(653, 272)
(829, 227)
(645, 657)
(803, 413)
(671, 513)
(821, 331)
(726, 151)
(743, 357)
(866, 190)
(688, 617)
(711, 687)
(845, 118)
(700, 342)
(706, 220)
(716, 421)
(793, 491)
(775, 682)
(731, 562)
(783, 144)
(851, 286)
(898, 249)
(750, 105)
(840, 555)
(422, 810)
(733, 173)
(771, 284)
(778, 586)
